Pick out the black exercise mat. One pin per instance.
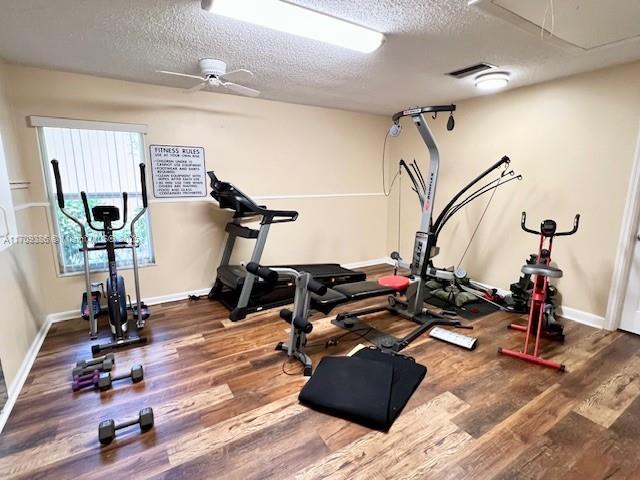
(469, 311)
(370, 388)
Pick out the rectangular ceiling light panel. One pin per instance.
(289, 18)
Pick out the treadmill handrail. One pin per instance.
(221, 189)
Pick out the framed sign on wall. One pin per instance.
(178, 171)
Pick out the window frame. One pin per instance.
(39, 122)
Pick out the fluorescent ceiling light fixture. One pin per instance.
(289, 18)
(492, 81)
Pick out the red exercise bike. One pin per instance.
(542, 321)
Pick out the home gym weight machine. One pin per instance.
(425, 245)
(116, 294)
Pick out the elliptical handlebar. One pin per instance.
(125, 202)
(56, 174)
(143, 184)
(85, 200)
(87, 213)
(576, 224)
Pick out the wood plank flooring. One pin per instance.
(226, 407)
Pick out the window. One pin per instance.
(104, 163)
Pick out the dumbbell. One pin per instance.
(107, 360)
(86, 380)
(107, 428)
(106, 366)
(105, 379)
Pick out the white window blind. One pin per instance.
(103, 163)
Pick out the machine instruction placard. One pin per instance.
(178, 171)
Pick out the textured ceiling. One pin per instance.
(130, 39)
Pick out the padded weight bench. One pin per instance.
(349, 292)
(389, 285)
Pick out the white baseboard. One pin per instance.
(581, 316)
(368, 263)
(16, 386)
(172, 297)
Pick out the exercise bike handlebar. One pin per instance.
(576, 224)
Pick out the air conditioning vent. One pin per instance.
(472, 70)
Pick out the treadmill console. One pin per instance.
(232, 198)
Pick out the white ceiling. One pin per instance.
(130, 39)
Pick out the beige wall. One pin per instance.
(21, 316)
(573, 139)
(267, 148)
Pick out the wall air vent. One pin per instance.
(472, 70)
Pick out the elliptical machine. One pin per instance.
(542, 322)
(117, 306)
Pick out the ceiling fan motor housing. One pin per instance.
(212, 66)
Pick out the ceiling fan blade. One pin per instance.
(198, 87)
(241, 89)
(181, 74)
(237, 75)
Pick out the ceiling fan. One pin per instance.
(214, 74)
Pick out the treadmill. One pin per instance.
(242, 292)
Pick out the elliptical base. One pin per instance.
(123, 343)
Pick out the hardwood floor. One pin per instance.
(225, 408)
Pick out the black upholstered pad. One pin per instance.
(362, 290)
(349, 292)
(327, 302)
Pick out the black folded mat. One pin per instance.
(370, 388)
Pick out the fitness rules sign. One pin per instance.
(178, 171)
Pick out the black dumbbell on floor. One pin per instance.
(106, 366)
(107, 360)
(107, 428)
(105, 380)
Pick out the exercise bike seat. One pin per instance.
(541, 269)
(348, 292)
